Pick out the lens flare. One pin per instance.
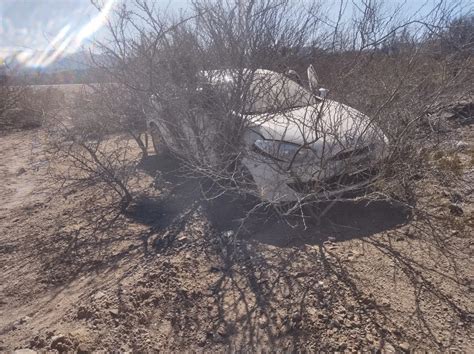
(95, 24)
(68, 40)
(44, 57)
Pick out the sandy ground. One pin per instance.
(75, 275)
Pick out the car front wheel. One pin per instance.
(158, 145)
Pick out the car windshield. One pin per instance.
(271, 92)
(261, 91)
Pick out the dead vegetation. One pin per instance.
(22, 108)
(394, 69)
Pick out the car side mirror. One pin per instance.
(312, 79)
(323, 92)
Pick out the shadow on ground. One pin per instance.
(287, 292)
(270, 282)
(343, 220)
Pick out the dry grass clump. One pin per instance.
(26, 107)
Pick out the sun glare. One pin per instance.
(68, 40)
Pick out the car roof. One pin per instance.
(226, 76)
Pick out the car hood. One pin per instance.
(328, 123)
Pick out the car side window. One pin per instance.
(271, 93)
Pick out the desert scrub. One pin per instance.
(471, 156)
(25, 107)
(448, 162)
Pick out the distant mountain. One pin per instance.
(75, 61)
(74, 68)
(72, 62)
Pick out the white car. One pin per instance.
(296, 145)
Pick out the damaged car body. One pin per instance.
(294, 143)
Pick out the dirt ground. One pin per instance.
(171, 275)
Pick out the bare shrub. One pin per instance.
(9, 101)
(94, 158)
(95, 133)
(93, 142)
(118, 110)
(17, 109)
(202, 83)
(25, 107)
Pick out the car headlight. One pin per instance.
(282, 151)
(353, 153)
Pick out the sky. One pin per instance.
(39, 32)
